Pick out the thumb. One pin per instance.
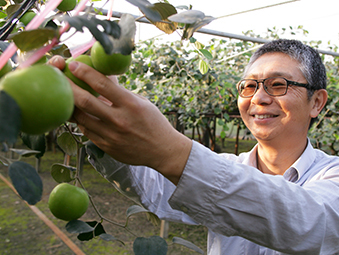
(58, 62)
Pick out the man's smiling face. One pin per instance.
(281, 117)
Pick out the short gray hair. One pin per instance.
(311, 64)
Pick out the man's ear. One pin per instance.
(318, 101)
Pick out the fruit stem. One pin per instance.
(79, 169)
(70, 131)
(95, 207)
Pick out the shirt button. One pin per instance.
(184, 209)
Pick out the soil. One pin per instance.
(23, 232)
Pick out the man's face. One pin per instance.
(283, 118)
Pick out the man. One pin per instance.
(282, 197)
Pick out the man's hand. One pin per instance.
(125, 125)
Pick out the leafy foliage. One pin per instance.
(26, 181)
(154, 245)
(170, 75)
(10, 121)
(324, 134)
(35, 142)
(193, 84)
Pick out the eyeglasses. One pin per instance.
(274, 86)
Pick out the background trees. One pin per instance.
(193, 84)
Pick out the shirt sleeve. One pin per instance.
(141, 184)
(234, 199)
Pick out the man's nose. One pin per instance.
(261, 96)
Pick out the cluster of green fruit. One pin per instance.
(45, 98)
(44, 94)
(64, 6)
(113, 64)
(68, 202)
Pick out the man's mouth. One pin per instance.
(264, 116)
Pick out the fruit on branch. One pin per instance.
(43, 94)
(67, 5)
(86, 59)
(113, 64)
(27, 17)
(68, 202)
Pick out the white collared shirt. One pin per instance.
(247, 212)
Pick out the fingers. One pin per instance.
(108, 87)
(88, 124)
(89, 104)
(58, 62)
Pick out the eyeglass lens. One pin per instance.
(275, 86)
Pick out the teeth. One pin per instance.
(265, 116)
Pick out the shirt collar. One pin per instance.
(251, 159)
(299, 167)
(302, 164)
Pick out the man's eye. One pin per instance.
(250, 85)
(277, 84)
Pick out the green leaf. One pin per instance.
(226, 116)
(178, 240)
(62, 50)
(154, 245)
(11, 9)
(62, 173)
(125, 43)
(192, 40)
(10, 118)
(193, 19)
(26, 181)
(108, 237)
(221, 122)
(111, 28)
(25, 153)
(67, 143)
(78, 227)
(35, 142)
(165, 10)
(188, 17)
(106, 166)
(153, 218)
(135, 209)
(217, 110)
(98, 230)
(206, 54)
(147, 9)
(198, 45)
(115, 37)
(222, 134)
(203, 67)
(33, 39)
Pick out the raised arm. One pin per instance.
(130, 128)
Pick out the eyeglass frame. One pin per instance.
(289, 82)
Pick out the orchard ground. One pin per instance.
(22, 232)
